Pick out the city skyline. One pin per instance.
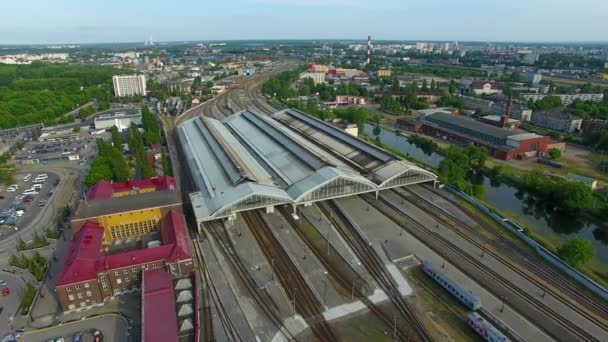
(37, 22)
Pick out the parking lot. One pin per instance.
(112, 328)
(83, 145)
(18, 209)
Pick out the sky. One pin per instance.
(97, 21)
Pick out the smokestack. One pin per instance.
(504, 120)
(369, 49)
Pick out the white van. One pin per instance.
(27, 177)
(37, 187)
(43, 175)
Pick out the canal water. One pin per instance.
(518, 205)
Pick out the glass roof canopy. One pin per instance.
(251, 161)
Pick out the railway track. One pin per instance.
(376, 268)
(264, 302)
(213, 298)
(359, 291)
(439, 243)
(304, 301)
(595, 312)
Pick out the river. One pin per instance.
(517, 205)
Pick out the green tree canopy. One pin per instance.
(576, 251)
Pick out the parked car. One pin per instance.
(2, 282)
(19, 213)
(77, 337)
(5, 291)
(42, 203)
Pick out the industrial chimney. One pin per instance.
(504, 120)
(369, 49)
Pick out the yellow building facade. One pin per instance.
(130, 224)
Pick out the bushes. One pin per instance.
(576, 251)
(38, 241)
(35, 264)
(27, 299)
(570, 197)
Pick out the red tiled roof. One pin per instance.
(173, 231)
(159, 316)
(104, 189)
(85, 259)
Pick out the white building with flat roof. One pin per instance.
(121, 120)
(129, 85)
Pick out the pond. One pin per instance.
(519, 206)
(401, 144)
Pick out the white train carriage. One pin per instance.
(466, 297)
(485, 329)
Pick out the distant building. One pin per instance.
(567, 99)
(320, 68)
(385, 73)
(129, 85)
(246, 71)
(558, 120)
(179, 87)
(497, 104)
(594, 125)
(218, 89)
(121, 120)
(317, 77)
(486, 87)
(534, 77)
(497, 120)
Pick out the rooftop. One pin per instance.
(105, 189)
(85, 258)
(250, 161)
(159, 314)
(114, 205)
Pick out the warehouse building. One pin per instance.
(501, 143)
(122, 120)
(250, 161)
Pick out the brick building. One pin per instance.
(93, 271)
(501, 143)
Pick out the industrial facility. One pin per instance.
(251, 161)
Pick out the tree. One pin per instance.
(576, 251)
(555, 153)
(116, 142)
(21, 245)
(151, 126)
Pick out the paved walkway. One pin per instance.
(380, 229)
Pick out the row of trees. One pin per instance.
(328, 92)
(280, 85)
(110, 164)
(566, 196)
(135, 139)
(151, 126)
(590, 109)
(356, 115)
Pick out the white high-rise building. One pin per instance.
(129, 85)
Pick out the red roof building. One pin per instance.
(87, 264)
(159, 315)
(105, 189)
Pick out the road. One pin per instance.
(16, 282)
(113, 327)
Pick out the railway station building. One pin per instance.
(253, 161)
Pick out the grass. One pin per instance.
(446, 313)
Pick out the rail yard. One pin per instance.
(291, 263)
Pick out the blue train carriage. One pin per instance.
(485, 329)
(470, 300)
